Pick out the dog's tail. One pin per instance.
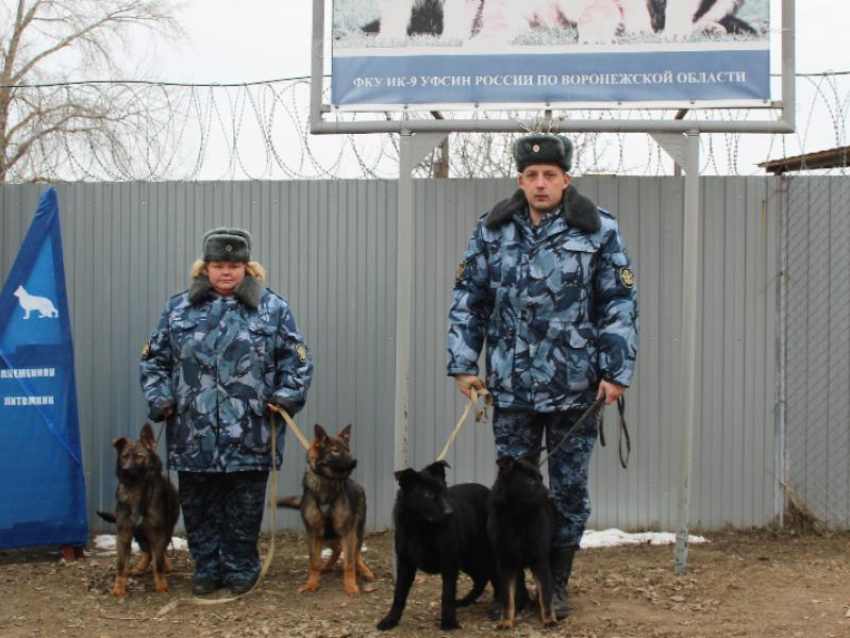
(109, 517)
(292, 502)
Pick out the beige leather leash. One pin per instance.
(480, 414)
(291, 424)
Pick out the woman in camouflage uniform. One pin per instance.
(222, 352)
(547, 283)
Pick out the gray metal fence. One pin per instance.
(330, 249)
(817, 398)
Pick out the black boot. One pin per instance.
(562, 564)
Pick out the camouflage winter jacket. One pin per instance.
(556, 303)
(217, 362)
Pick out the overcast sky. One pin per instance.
(259, 40)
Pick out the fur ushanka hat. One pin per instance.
(541, 148)
(227, 244)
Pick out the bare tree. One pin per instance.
(52, 128)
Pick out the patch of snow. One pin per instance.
(104, 544)
(613, 537)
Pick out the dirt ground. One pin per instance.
(760, 583)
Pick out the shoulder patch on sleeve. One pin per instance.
(627, 277)
(146, 349)
(301, 352)
(460, 270)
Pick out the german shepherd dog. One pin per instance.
(442, 531)
(147, 508)
(333, 508)
(520, 524)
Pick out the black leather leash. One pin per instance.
(595, 407)
(622, 433)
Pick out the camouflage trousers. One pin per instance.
(520, 432)
(222, 513)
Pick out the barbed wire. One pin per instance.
(260, 130)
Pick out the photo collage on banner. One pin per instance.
(421, 54)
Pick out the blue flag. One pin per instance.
(42, 490)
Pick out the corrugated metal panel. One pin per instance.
(817, 449)
(330, 250)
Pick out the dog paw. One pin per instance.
(389, 621)
(505, 625)
(450, 624)
(352, 590)
(309, 587)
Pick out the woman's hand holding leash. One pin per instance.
(276, 409)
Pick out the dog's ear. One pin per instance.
(345, 435)
(405, 477)
(147, 437)
(438, 469)
(506, 465)
(120, 443)
(319, 435)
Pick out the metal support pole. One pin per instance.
(403, 300)
(412, 149)
(317, 62)
(687, 373)
(780, 461)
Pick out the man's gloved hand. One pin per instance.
(162, 413)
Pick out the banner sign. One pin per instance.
(42, 491)
(395, 54)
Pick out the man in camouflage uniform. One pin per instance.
(546, 281)
(222, 351)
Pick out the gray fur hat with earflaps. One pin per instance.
(227, 244)
(543, 148)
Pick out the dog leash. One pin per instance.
(291, 424)
(270, 555)
(480, 414)
(622, 433)
(595, 407)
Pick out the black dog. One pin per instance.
(147, 508)
(520, 524)
(442, 531)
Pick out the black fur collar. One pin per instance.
(578, 211)
(248, 292)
